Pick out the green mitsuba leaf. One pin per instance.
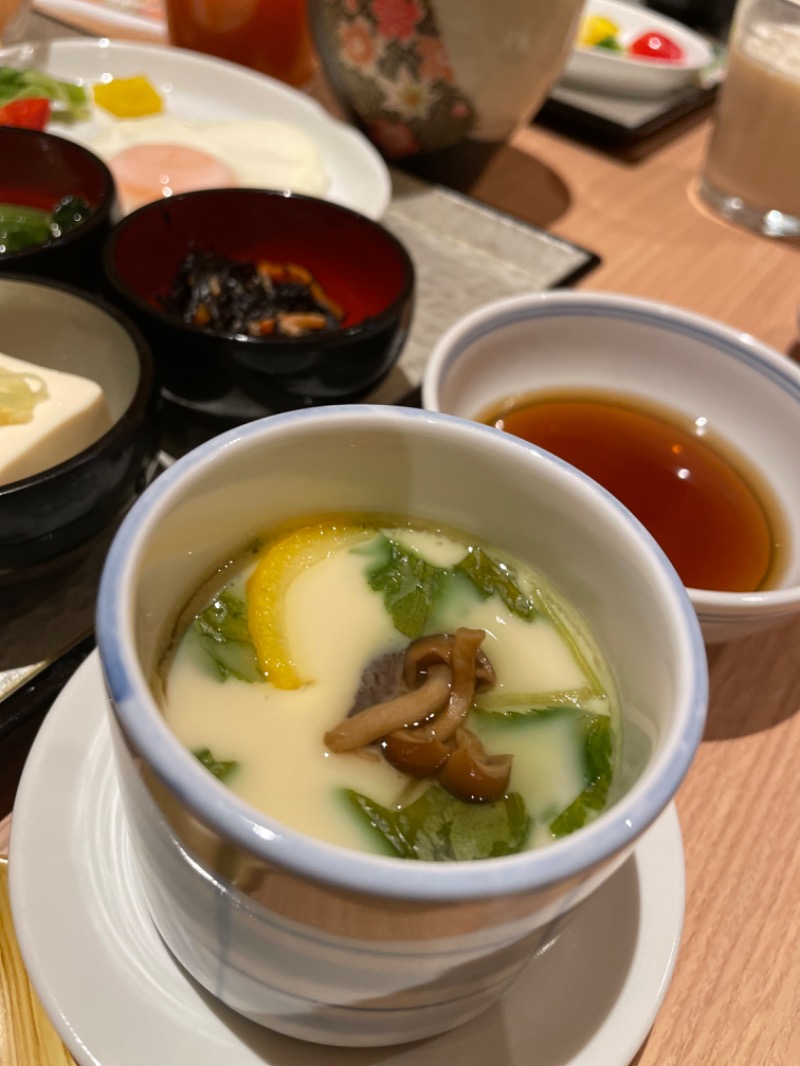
(533, 704)
(437, 827)
(409, 585)
(223, 633)
(493, 577)
(597, 741)
(221, 769)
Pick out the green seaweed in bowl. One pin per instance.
(24, 227)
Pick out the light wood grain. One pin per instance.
(26, 1036)
(735, 996)
(644, 220)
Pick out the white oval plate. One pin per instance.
(118, 998)
(612, 72)
(196, 86)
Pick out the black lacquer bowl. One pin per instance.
(37, 169)
(236, 377)
(47, 515)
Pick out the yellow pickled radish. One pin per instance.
(283, 561)
(596, 28)
(128, 97)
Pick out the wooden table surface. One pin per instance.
(735, 996)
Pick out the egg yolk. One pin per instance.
(146, 172)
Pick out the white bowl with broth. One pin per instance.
(710, 385)
(347, 945)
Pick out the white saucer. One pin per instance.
(116, 995)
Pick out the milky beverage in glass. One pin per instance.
(751, 173)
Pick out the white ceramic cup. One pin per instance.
(312, 939)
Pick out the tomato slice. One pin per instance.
(653, 45)
(31, 114)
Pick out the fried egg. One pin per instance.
(164, 155)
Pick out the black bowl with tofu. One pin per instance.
(57, 206)
(78, 432)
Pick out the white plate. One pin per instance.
(117, 997)
(598, 68)
(196, 86)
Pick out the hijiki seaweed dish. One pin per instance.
(258, 299)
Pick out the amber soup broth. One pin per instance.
(712, 514)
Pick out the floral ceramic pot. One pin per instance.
(422, 75)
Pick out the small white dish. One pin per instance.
(117, 996)
(197, 86)
(744, 392)
(628, 75)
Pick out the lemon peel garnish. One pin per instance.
(283, 561)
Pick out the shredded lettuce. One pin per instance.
(69, 101)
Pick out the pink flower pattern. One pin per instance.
(435, 65)
(394, 138)
(395, 73)
(359, 48)
(397, 19)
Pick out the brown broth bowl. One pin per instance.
(730, 390)
(235, 378)
(37, 170)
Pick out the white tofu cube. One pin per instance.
(73, 415)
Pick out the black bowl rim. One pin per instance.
(133, 414)
(100, 213)
(365, 328)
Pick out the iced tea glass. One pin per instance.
(751, 172)
(271, 36)
(13, 21)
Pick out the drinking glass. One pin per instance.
(271, 36)
(13, 20)
(751, 171)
